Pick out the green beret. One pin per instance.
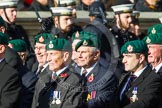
(86, 41)
(59, 44)
(155, 29)
(81, 35)
(2, 21)
(136, 46)
(18, 45)
(154, 39)
(43, 38)
(3, 39)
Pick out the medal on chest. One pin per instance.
(55, 97)
(134, 96)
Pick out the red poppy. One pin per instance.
(91, 78)
(63, 75)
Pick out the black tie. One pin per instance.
(128, 84)
(84, 72)
(54, 76)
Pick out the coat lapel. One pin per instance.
(2, 63)
(140, 79)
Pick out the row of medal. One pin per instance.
(55, 97)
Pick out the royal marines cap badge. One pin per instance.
(148, 40)
(85, 43)
(50, 45)
(10, 45)
(130, 48)
(153, 31)
(77, 34)
(41, 39)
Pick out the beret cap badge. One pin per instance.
(41, 39)
(50, 45)
(148, 40)
(130, 48)
(85, 43)
(77, 34)
(153, 31)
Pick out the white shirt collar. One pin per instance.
(139, 72)
(61, 70)
(158, 67)
(44, 66)
(89, 69)
(1, 59)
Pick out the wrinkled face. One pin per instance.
(86, 56)
(40, 52)
(65, 23)
(55, 59)
(124, 20)
(154, 54)
(131, 62)
(11, 14)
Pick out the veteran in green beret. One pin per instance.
(94, 71)
(20, 47)
(62, 88)
(139, 86)
(10, 82)
(40, 51)
(154, 43)
(77, 36)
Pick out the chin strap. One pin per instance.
(4, 9)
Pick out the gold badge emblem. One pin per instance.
(130, 48)
(41, 39)
(153, 31)
(148, 40)
(85, 43)
(50, 45)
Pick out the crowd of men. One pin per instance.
(95, 66)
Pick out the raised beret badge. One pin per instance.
(41, 39)
(153, 31)
(10, 45)
(130, 48)
(50, 45)
(77, 34)
(85, 43)
(148, 40)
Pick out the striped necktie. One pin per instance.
(127, 85)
